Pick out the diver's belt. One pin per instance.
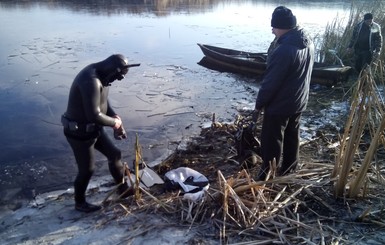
(79, 127)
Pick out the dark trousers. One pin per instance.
(362, 58)
(279, 136)
(84, 151)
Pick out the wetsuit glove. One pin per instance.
(120, 133)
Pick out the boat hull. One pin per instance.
(248, 63)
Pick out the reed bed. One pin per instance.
(240, 209)
(365, 125)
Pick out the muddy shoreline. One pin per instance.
(305, 204)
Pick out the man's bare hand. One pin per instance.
(120, 133)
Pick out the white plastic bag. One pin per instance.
(187, 179)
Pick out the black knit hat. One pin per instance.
(368, 16)
(283, 18)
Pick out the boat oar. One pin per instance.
(334, 53)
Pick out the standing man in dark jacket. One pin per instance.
(88, 111)
(284, 92)
(366, 41)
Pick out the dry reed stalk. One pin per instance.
(264, 242)
(298, 223)
(224, 188)
(239, 207)
(115, 189)
(252, 187)
(138, 157)
(289, 198)
(110, 194)
(124, 208)
(246, 217)
(272, 208)
(272, 170)
(382, 224)
(353, 131)
(255, 193)
(164, 205)
(357, 183)
(308, 191)
(199, 207)
(246, 186)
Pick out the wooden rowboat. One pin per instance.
(248, 63)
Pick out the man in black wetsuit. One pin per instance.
(88, 111)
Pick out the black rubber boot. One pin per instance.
(124, 191)
(87, 207)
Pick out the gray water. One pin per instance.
(165, 100)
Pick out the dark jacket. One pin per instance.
(285, 87)
(375, 37)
